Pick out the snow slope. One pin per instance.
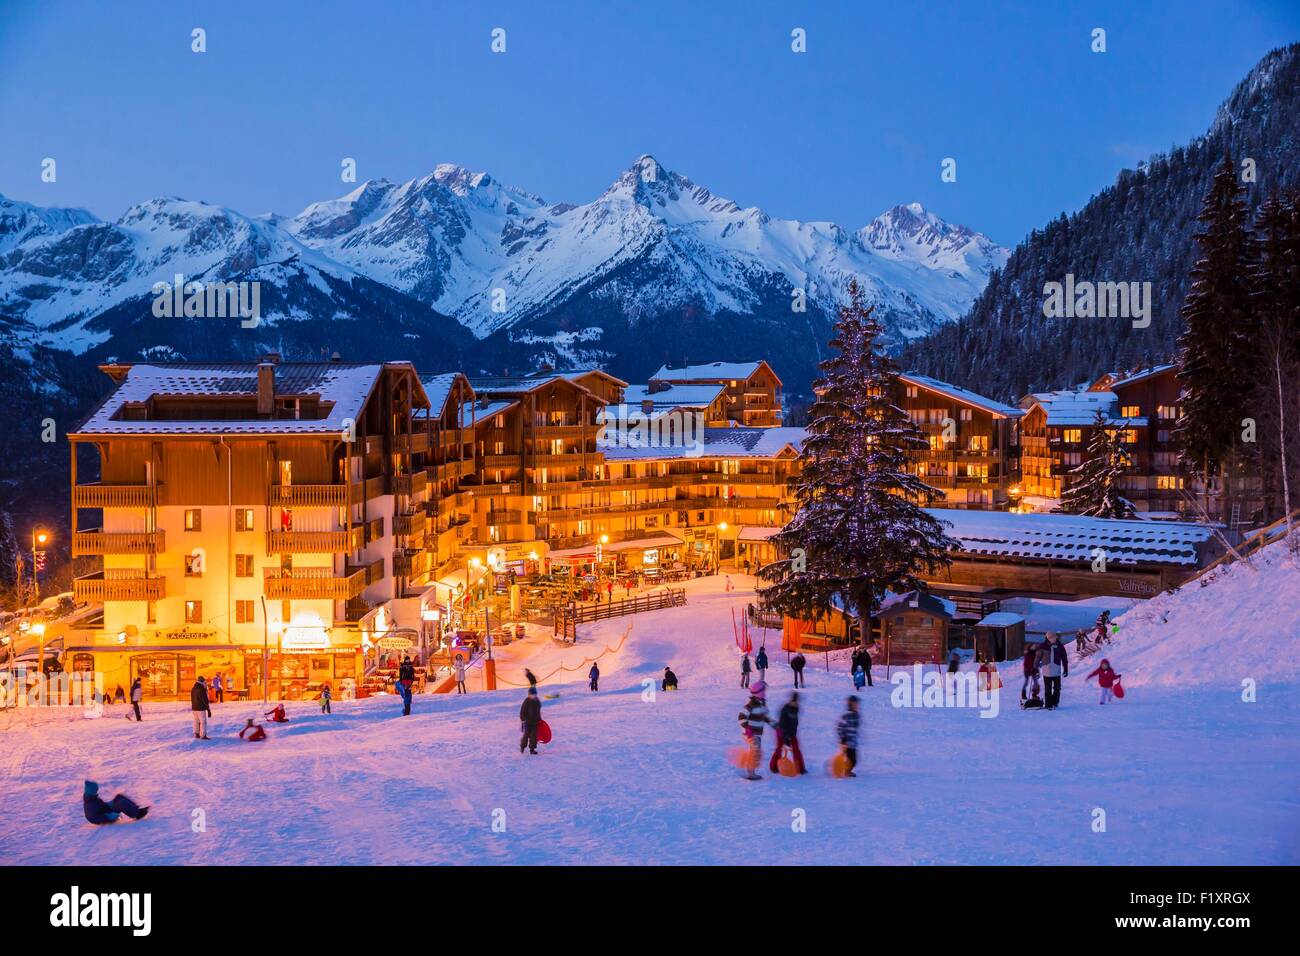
(1237, 622)
(1185, 775)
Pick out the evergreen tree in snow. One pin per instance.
(1095, 488)
(1219, 348)
(859, 527)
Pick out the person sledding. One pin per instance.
(846, 731)
(277, 714)
(787, 736)
(530, 716)
(1106, 678)
(1033, 702)
(99, 812)
(753, 718)
(670, 679)
(254, 731)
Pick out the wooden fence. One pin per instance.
(568, 618)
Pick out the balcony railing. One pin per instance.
(410, 484)
(411, 564)
(314, 584)
(309, 496)
(409, 524)
(98, 495)
(313, 542)
(117, 586)
(98, 541)
(501, 461)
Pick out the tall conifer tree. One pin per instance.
(859, 527)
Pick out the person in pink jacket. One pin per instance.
(1105, 679)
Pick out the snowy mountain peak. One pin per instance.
(22, 221)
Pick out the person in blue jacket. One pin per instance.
(99, 812)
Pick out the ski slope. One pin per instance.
(1185, 772)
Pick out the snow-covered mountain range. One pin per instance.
(651, 264)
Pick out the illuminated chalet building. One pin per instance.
(974, 442)
(751, 390)
(235, 504)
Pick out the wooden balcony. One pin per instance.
(309, 496)
(504, 516)
(564, 459)
(410, 524)
(314, 584)
(97, 541)
(502, 461)
(98, 495)
(411, 564)
(117, 586)
(409, 485)
(415, 442)
(313, 542)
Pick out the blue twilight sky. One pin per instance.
(860, 122)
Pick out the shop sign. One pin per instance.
(187, 634)
(395, 643)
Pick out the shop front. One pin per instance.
(166, 662)
(755, 548)
(299, 673)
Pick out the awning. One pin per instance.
(756, 533)
(661, 541)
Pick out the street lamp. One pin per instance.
(717, 553)
(39, 538)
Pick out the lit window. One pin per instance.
(193, 519)
(193, 612)
(1072, 436)
(244, 519)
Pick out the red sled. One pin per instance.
(1117, 688)
(543, 732)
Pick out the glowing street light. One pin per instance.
(40, 537)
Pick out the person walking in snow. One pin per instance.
(846, 731)
(670, 679)
(753, 718)
(787, 735)
(405, 682)
(137, 695)
(1056, 664)
(862, 658)
(1106, 678)
(459, 670)
(218, 688)
(744, 670)
(325, 695)
(859, 677)
(1029, 665)
(761, 663)
(797, 664)
(530, 715)
(593, 676)
(200, 708)
(99, 812)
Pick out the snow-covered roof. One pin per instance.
(674, 396)
(484, 410)
(756, 533)
(1074, 408)
(727, 370)
(438, 388)
(919, 600)
(1000, 619)
(963, 395)
(718, 443)
(344, 386)
(1142, 375)
(1004, 534)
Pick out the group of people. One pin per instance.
(669, 681)
(1050, 662)
(754, 717)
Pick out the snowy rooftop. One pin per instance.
(1142, 375)
(728, 370)
(344, 386)
(1073, 538)
(1000, 619)
(1072, 408)
(962, 395)
(718, 443)
(439, 388)
(674, 396)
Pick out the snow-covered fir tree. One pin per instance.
(859, 527)
(1095, 490)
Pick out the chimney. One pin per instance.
(657, 385)
(265, 389)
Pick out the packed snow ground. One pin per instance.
(1185, 771)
